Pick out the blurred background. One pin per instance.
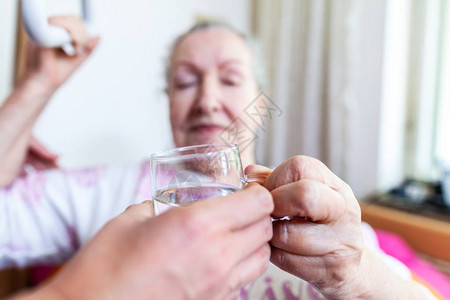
(363, 86)
(361, 83)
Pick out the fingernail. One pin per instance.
(249, 169)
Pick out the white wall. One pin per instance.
(113, 109)
(8, 21)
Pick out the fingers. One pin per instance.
(78, 31)
(40, 150)
(247, 252)
(237, 210)
(250, 268)
(305, 267)
(251, 169)
(257, 173)
(40, 157)
(75, 26)
(91, 44)
(308, 198)
(87, 48)
(304, 238)
(303, 167)
(250, 238)
(36, 163)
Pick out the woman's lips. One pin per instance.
(207, 129)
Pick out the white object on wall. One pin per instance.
(34, 17)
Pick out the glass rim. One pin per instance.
(177, 152)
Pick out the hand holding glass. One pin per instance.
(184, 175)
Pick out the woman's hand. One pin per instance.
(50, 67)
(206, 251)
(46, 69)
(39, 157)
(317, 235)
(321, 242)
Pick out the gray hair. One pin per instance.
(258, 62)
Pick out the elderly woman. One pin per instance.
(47, 216)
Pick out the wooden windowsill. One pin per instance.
(426, 235)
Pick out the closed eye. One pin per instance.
(231, 77)
(186, 81)
(185, 85)
(231, 81)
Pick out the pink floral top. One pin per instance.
(46, 216)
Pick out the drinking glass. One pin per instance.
(185, 175)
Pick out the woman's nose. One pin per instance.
(209, 96)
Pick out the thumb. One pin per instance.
(143, 210)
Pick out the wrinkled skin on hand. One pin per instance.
(321, 240)
(205, 251)
(51, 67)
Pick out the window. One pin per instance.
(442, 136)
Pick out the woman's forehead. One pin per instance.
(214, 46)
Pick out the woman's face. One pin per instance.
(210, 84)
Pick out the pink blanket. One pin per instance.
(395, 246)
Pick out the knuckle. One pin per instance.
(264, 197)
(305, 197)
(298, 164)
(266, 200)
(282, 232)
(347, 189)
